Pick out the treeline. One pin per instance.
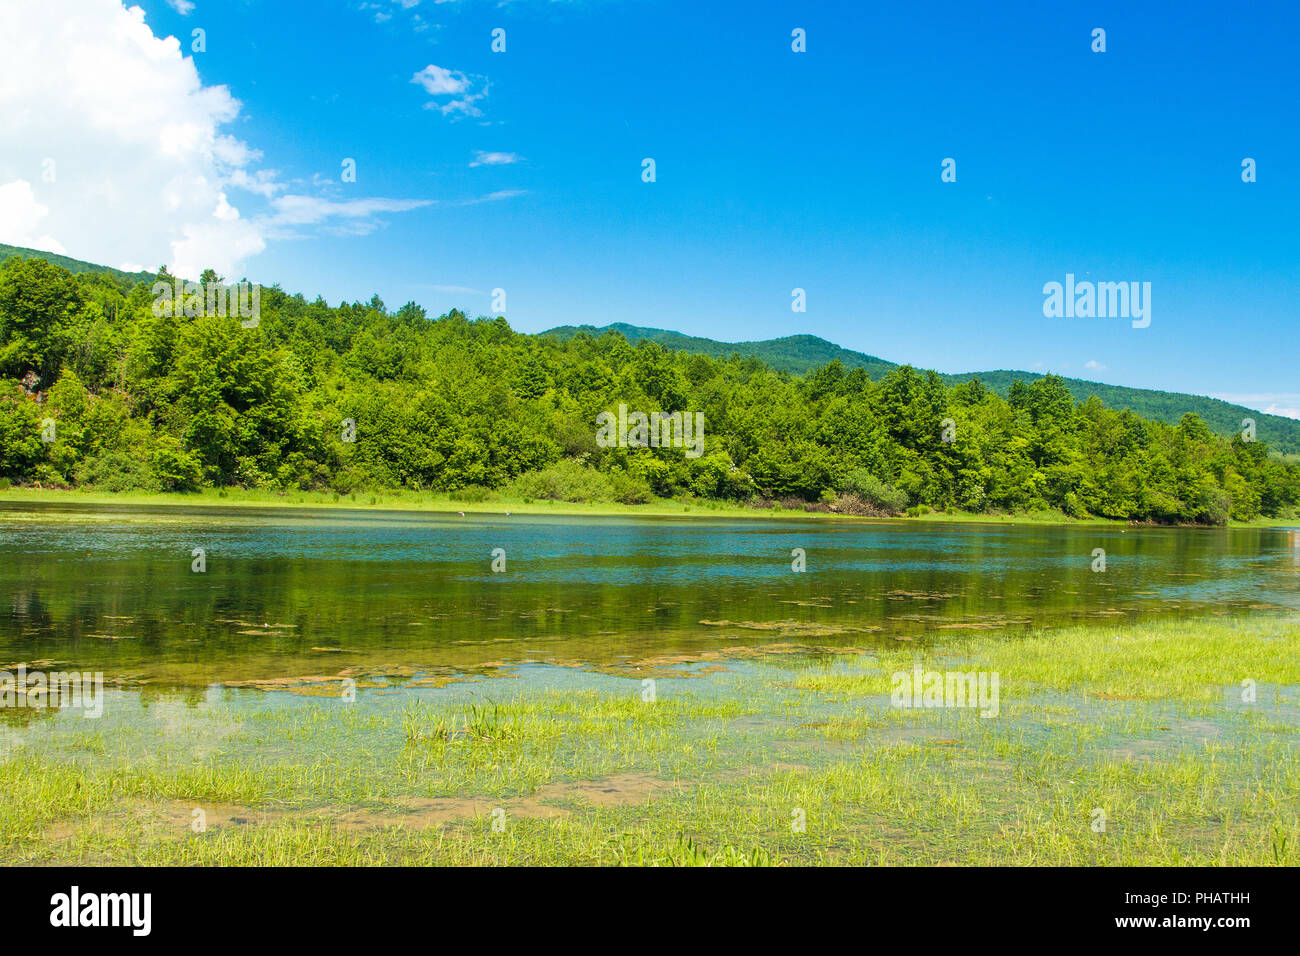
(176, 402)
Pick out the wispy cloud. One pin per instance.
(482, 158)
(383, 12)
(349, 217)
(291, 213)
(310, 209)
(497, 196)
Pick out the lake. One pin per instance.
(288, 593)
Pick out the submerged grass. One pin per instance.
(1132, 744)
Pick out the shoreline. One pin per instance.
(404, 500)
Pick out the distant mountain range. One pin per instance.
(797, 354)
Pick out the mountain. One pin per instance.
(1282, 434)
(797, 354)
(72, 265)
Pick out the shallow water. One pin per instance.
(288, 593)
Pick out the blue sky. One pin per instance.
(777, 170)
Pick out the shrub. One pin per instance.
(630, 489)
(117, 471)
(566, 480)
(873, 491)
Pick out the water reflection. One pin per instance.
(302, 592)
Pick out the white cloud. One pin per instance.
(222, 244)
(117, 138)
(183, 7)
(461, 89)
(1094, 366)
(112, 148)
(494, 159)
(262, 181)
(438, 81)
(20, 215)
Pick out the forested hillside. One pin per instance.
(796, 354)
(67, 262)
(176, 402)
(799, 354)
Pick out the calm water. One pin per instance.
(292, 593)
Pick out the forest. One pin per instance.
(99, 388)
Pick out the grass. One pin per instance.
(496, 503)
(392, 500)
(1128, 745)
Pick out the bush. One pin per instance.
(873, 491)
(117, 471)
(630, 489)
(566, 480)
(347, 480)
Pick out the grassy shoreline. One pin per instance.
(1145, 723)
(444, 503)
